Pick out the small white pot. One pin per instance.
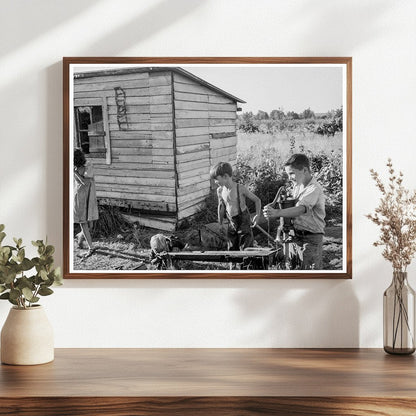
(27, 337)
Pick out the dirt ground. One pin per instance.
(129, 250)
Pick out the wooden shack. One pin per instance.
(152, 134)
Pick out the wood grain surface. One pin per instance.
(212, 381)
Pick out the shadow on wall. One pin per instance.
(350, 24)
(39, 15)
(301, 314)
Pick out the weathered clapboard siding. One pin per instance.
(200, 112)
(161, 157)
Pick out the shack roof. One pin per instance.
(119, 71)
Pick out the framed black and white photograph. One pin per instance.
(207, 167)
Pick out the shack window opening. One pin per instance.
(90, 133)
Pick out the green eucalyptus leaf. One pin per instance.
(49, 250)
(5, 295)
(26, 264)
(45, 291)
(15, 294)
(43, 275)
(2, 288)
(2, 227)
(2, 236)
(37, 243)
(58, 276)
(21, 255)
(27, 293)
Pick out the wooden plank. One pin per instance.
(130, 109)
(186, 140)
(181, 150)
(161, 108)
(191, 88)
(148, 165)
(143, 100)
(132, 119)
(199, 185)
(202, 155)
(120, 77)
(196, 178)
(194, 172)
(110, 85)
(127, 202)
(221, 143)
(223, 114)
(222, 122)
(222, 129)
(228, 152)
(195, 97)
(146, 192)
(132, 158)
(145, 175)
(191, 105)
(143, 126)
(187, 212)
(192, 131)
(219, 99)
(161, 99)
(193, 196)
(162, 90)
(194, 202)
(190, 114)
(159, 79)
(162, 135)
(192, 164)
(127, 192)
(131, 180)
(156, 144)
(131, 135)
(161, 118)
(191, 122)
(140, 151)
(161, 126)
(222, 107)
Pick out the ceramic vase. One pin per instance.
(27, 337)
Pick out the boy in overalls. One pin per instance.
(232, 203)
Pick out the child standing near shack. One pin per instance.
(308, 214)
(232, 203)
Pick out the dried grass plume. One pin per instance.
(396, 217)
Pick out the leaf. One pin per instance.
(2, 236)
(15, 294)
(5, 295)
(49, 250)
(21, 255)
(43, 274)
(1, 227)
(37, 243)
(57, 276)
(45, 291)
(26, 264)
(27, 293)
(2, 288)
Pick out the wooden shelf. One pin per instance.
(212, 382)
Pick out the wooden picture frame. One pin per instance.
(152, 128)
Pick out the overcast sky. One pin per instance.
(290, 88)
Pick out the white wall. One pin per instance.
(380, 35)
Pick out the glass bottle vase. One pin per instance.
(399, 316)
